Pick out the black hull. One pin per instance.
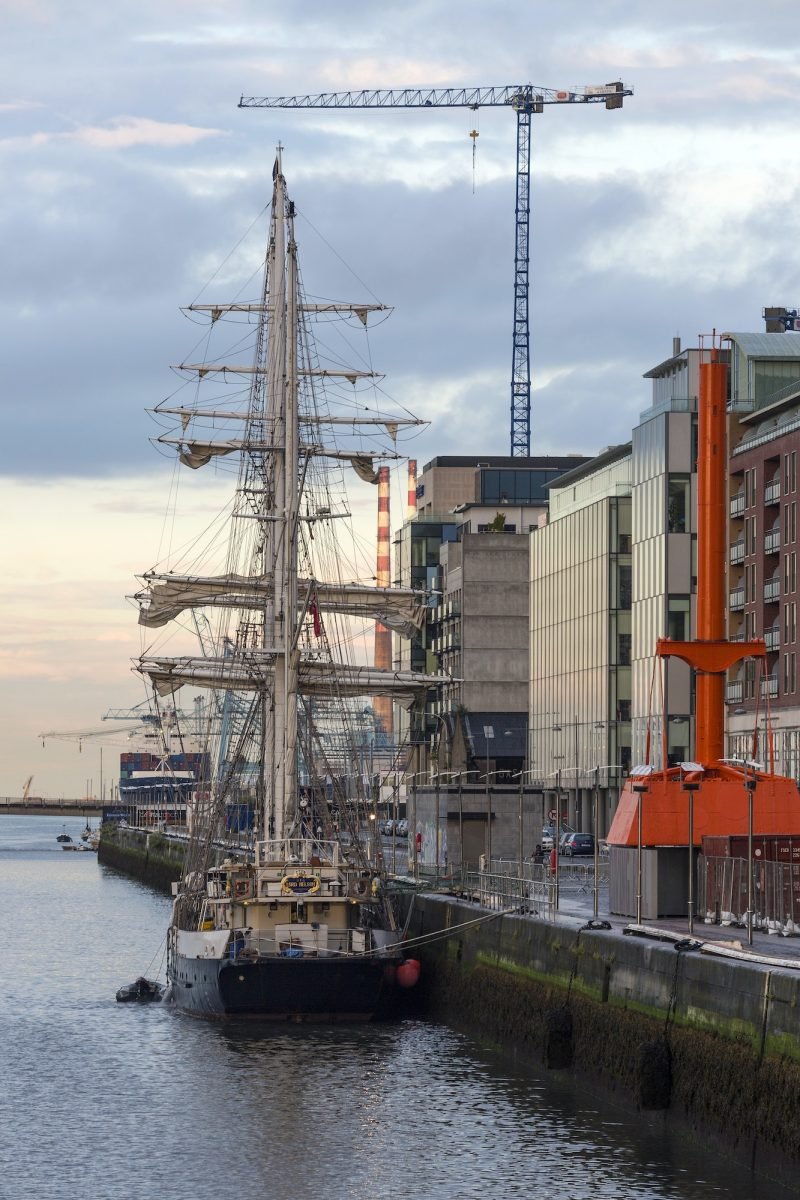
(314, 990)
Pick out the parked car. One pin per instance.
(387, 828)
(402, 827)
(547, 837)
(578, 843)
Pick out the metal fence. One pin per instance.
(532, 889)
(775, 890)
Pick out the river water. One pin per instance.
(108, 1101)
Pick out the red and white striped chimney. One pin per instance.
(411, 509)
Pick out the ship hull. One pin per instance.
(313, 990)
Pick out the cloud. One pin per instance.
(121, 133)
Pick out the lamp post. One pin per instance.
(750, 784)
(558, 729)
(521, 816)
(595, 843)
(690, 786)
(414, 857)
(488, 733)
(640, 789)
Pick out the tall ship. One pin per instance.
(300, 925)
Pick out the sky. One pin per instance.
(130, 173)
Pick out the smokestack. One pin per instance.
(411, 509)
(676, 347)
(382, 705)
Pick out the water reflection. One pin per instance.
(106, 1101)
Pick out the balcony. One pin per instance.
(734, 691)
(737, 504)
(769, 687)
(772, 542)
(772, 492)
(736, 600)
(772, 639)
(772, 591)
(737, 552)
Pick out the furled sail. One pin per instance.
(254, 672)
(167, 596)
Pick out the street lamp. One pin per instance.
(488, 733)
(595, 842)
(558, 729)
(522, 775)
(750, 785)
(690, 786)
(640, 789)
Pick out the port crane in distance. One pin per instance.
(525, 100)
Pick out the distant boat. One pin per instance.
(63, 836)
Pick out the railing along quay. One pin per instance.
(533, 890)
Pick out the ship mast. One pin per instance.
(291, 649)
(275, 631)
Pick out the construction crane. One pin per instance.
(524, 99)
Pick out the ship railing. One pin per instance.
(253, 945)
(722, 890)
(298, 850)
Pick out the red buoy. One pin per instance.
(408, 972)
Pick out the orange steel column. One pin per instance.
(382, 705)
(711, 552)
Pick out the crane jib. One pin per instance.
(525, 99)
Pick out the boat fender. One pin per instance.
(408, 973)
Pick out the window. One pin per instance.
(750, 487)
(788, 674)
(624, 577)
(678, 500)
(749, 679)
(678, 610)
(750, 583)
(789, 573)
(750, 534)
(624, 649)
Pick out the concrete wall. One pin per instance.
(717, 1041)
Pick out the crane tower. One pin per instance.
(524, 100)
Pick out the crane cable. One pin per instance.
(474, 134)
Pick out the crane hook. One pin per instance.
(474, 134)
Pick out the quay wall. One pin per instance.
(149, 856)
(715, 1041)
